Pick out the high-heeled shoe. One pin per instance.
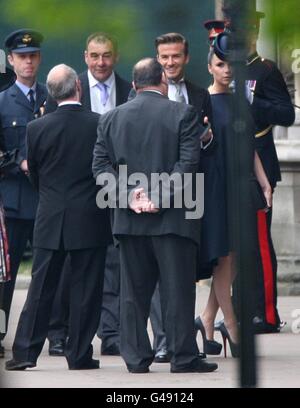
(211, 347)
(234, 347)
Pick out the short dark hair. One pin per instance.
(147, 72)
(172, 38)
(100, 37)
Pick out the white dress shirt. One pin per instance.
(25, 89)
(95, 94)
(172, 91)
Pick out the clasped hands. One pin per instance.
(140, 203)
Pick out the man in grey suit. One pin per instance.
(102, 89)
(151, 134)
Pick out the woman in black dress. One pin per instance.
(217, 249)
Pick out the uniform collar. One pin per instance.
(253, 57)
(24, 88)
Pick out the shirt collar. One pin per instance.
(253, 57)
(154, 91)
(24, 88)
(172, 82)
(69, 103)
(93, 81)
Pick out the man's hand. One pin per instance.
(140, 203)
(24, 166)
(207, 135)
(268, 195)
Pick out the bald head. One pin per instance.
(147, 73)
(62, 83)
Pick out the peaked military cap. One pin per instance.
(24, 40)
(214, 28)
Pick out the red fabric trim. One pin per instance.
(268, 273)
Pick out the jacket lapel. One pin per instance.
(20, 98)
(86, 97)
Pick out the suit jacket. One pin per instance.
(122, 90)
(60, 151)
(271, 106)
(19, 198)
(200, 99)
(150, 134)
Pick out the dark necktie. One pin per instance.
(31, 98)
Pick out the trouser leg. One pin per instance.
(177, 258)
(139, 274)
(18, 233)
(86, 288)
(156, 319)
(58, 327)
(34, 320)
(109, 327)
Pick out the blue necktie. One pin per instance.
(104, 93)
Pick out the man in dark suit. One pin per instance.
(173, 54)
(19, 105)
(68, 222)
(102, 90)
(151, 134)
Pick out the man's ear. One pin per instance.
(85, 56)
(10, 60)
(79, 88)
(133, 86)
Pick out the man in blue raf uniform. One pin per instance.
(19, 104)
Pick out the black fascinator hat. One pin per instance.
(7, 79)
(221, 45)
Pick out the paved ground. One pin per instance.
(278, 362)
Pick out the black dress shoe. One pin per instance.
(138, 370)
(161, 356)
(90, 365)
(2, 351)
(261, 327)
(198, 366)
(112, 350)
(15, 365)
(57, 347)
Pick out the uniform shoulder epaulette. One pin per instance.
(268, 63)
